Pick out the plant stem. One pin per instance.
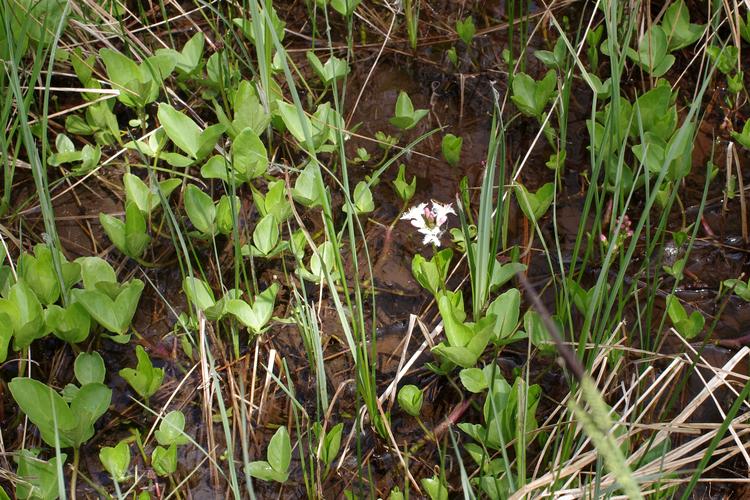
(74, 474)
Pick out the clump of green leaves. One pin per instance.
(170, 435)
(405, 116)
(67, 419)
(404, 190)
(279, 456)
(209, 218)
(139, 84)
(329, 442)
(431, 274)
(464, 341)
(688, 326)
(532, 97)
(410, 399)
(739, 288)
(535, 205)
(451, 148)
(145, 379)
(129, 236)
(333, 69)
(195, 142)
(116, 460)
(111, 304)
(466, 30)
(254, 316)
(85, 159)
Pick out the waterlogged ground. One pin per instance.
(462, 102)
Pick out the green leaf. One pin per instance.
(451, 148)
(280, 451)
(255, 317)
(186, 134)
(410, 399)
(88, 405)
(227, 212)
(434, 488)
(362, 199)
(473, 379)
(164, 460)
(248, 111)
(530, 96)
(123, 72)
(308, 188)
(200, 209)
(266, 235)
(318, 127)
(249, 155)
(404, 190)
(333, 69)
(116, 460)
(688, 326)
(321, 261)
(535, 205)
(144, 379)
(653, 112)
(115, 231)
(114, 315)
(652, 52)
(171, 429)
(89, 368)
(262, 470)
(274, 202)
(678, 28)
(6, 333)
(331, 444)
(180, 129)
(345, 7)
(466, 29)
(198, 292)
(44, 406)
(405, 116)
(145, 198)
(431, 274)
(40, 480)
(25, 313)
(502, 273)
(743, 138)
(739, 287)
(555, 59)
(136, 238)
(38, 272)
(95, 270)
(187, 60)
(457, 332)
(506, 309)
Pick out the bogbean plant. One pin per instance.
(35, 302)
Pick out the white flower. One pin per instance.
(429, 221)
(431, 235)
(416, 215)
(441, 212)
